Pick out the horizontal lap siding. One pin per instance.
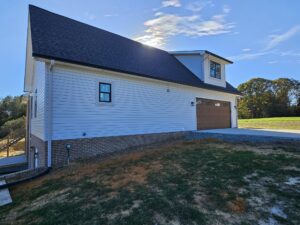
(139, 106)
(39, 83)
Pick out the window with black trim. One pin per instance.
(104, 92)
(215, 70)
(35, 104)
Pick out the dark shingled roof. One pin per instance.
(64, 39)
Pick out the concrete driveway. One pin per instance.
(255, 133)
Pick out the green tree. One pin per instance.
(243, 109)
(284, 90)
(267, 98)
(257, 97)
(12, 108)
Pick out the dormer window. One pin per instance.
(215, 70)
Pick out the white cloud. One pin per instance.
(226, 9)
(246, 49)
(290, 53)
(275, 40)
(247, 56)
(159, 29)
(111, 15)
(269, 49)
(198, 5)
(158, 13)
(171, 3)
(90, 15)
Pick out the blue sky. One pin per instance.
(262, 37)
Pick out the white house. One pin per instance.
(94, 92)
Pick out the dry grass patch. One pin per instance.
(238, 205)
(136, 174)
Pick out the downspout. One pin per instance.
(49, 118)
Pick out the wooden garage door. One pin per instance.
(212, 114)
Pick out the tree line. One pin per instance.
(12, 115)
(269, 98)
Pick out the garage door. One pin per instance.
(213, 114)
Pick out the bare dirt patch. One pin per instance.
(238, 205)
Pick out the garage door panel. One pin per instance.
(213, 114)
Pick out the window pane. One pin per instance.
(212, 71)
(104, 97)
(104, 87)
(215, 70)
(218, 71)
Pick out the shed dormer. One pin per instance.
(207, 66)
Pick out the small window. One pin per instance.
(215, 70)
(104, 92)
(35, 104)
(31, 107)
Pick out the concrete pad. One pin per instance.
(4, 195)
(292, 134)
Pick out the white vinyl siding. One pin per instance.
(140, 105)
(194, 63)
(38, 83)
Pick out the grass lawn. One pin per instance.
(195, 182)
(290, 123)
